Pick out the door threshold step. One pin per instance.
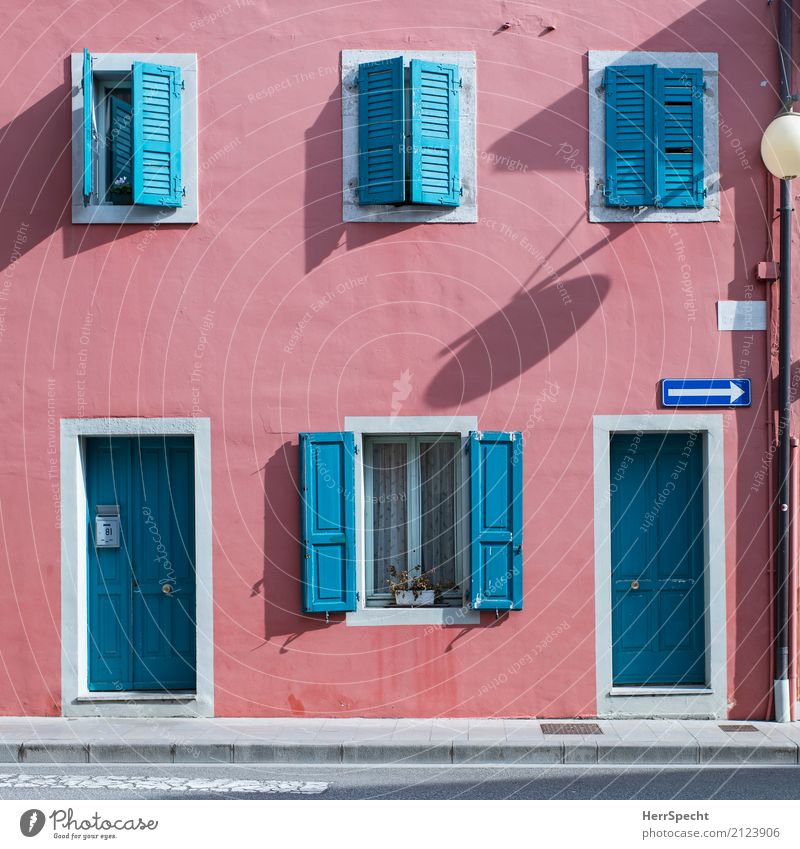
(134, 696)
(661, 691)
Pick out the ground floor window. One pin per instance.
(411, 514)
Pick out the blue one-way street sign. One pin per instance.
(712, 392)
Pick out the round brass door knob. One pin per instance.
(166, 588)
(634, 585)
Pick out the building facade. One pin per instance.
(303, 306)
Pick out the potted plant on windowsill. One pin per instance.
(121, 191)
(410, 590)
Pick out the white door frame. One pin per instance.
(710, 701)
(76, 699)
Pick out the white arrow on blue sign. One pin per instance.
(711, 392)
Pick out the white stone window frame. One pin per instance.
(114, 66)
(711, 700)
(362, 426)
(76, 698)
(467, 211)
(599, 212)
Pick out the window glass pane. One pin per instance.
(437, 483)
(389, 510)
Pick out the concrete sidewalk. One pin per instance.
(396, 741)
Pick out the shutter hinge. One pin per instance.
(358, 596)
(355, 449)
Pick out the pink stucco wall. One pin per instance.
(533, 320)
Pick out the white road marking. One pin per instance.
(21, 781)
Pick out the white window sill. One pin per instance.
(132, 214)
(385, 616)
(660, 691)
(136, 696)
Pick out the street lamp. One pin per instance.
(780, 146)
(780, 150)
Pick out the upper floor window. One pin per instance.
(408, 136)
(134, 138)
(653, 137)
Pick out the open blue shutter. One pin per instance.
(630, 139)
(88, 128)
(496, 520)
(435, 172)
(327, 521)
(381, 132)
(157, 135)
(680, 168)
(121, 140)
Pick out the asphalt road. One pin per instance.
(129, 781)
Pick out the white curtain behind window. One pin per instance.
(389, 510)
(437, 482)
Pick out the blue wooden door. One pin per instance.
(141, 595)
(657, 559)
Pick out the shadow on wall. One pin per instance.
(324, 228)
(36, 182)
(528, 329)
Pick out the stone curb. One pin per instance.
(547, 752)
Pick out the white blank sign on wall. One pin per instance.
(741, 315)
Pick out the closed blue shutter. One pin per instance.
(630, 155)
(121, 140)
(327, 521)
(157, 135)
(435, 172)
(496, 520)
(88, 128)
(381, 132)
(679, 130)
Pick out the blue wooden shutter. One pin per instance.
(121, 140)
(496, 520)
(327, 521)
(435, 173)
(630, 139)
(381, 132)
(88, 128)
(157, 135)
(680, 169)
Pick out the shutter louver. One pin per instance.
(157, 135)
(496, 520)
(435, 172)
(327, 521)
(381, 132)
(679, 131)
(630, 166)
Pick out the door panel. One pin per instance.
(657, 555)
(152, 612)
(109, 577)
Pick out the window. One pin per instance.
(653, 146)
(412, 497)
(396, 493)
(134, 138)
(408, 136)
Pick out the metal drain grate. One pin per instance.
(733, 729)
(571, 728)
